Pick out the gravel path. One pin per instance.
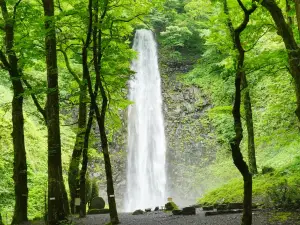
(159, 218)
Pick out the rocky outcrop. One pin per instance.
(190, 139)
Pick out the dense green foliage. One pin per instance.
(196, 50)
(271, 88)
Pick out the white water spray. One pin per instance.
(146, 172)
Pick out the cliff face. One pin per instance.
(191, 145)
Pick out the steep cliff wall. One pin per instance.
(191, 143)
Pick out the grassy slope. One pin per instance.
(277, 136)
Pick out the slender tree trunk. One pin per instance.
(97, 53)
(291, 46)
(249, 124)
(20, 164)
(288, 10)
(73, 174)
(297, 7)
(86, 77)
(235, 146)
(1, 222)
(247, 103)
(236, 111)
(58, 208)
(82, 212)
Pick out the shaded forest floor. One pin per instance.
(158, 218)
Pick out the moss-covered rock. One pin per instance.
(171, 206)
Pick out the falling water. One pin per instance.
(146, 173)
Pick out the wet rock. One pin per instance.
(189, 211)
(170, 206)
(176, 212)
(138, 212)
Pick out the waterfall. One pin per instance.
(146, 172)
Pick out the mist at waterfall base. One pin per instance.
(146, 172)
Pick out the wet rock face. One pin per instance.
(190, 141)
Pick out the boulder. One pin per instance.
(176, 212)
(156, 208)
(97, 203)
(148, 210)
(170, 206)
(98, 211)
(138, 212)
(189, 211)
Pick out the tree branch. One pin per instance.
(15, 10)
(35, 100)
(4, 60)
(71, 71)
(4, 10)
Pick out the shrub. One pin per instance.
(284, 195)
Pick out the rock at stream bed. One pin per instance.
(170, 206)
(138, 212)
(189, 211)
(176, 212)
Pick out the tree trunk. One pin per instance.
(97, 41)
(82, 212)
(249, 124)
(236, 111)
(297, 7)
(1, 222)
(20, 164)
(290, 44)
(58, 208)
(73, 174)
(86, 77)
(288, 10)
